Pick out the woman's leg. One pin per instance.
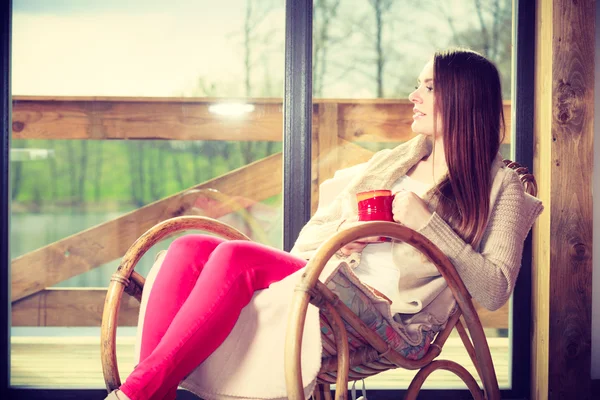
(233, 272)
(179, 271)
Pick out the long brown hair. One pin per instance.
(468, 97)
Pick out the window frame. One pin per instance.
(297, 168)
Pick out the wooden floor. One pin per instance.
(74, 362)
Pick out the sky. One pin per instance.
(128, 48)
(162, 48)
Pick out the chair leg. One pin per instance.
(322, 392)
(457, 369)
(464, 336)
(327, 392)
(317, 395)
(343, 352)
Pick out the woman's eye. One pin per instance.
(430, 88)
(416, 88)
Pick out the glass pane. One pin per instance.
(367, 56)
(174, 110)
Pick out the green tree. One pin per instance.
(16, 175)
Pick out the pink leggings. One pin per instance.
(196, 299)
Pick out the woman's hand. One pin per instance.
(359, 245)
(410, 210)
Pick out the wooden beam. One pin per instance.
(562, 269)
(541, 231)
(386, 121)
(109, 118)
(83, 307)
(106, 242)
(70, 307)
(113, 118)
(325, 152)
(331, 153)
(493, 319)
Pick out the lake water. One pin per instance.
(31, 231)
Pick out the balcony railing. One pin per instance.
(337, 126)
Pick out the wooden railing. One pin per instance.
(337, 124)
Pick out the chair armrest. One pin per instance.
(397, 232)
(126, 279)
(168, 228)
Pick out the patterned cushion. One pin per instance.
(360, 304)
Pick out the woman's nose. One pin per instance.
(414, 97)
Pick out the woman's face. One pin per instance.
(423, 101)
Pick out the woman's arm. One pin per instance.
(321, 226)
(490, 274)
(328, 217)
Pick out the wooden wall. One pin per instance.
(562, 268)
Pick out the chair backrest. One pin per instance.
(527, 179)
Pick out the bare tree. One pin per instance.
(251, 37)
(494, 17)
(325, 12)
(379, 8)
(486, 27)
(374, 50)
(492, 37)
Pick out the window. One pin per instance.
(126, 114)
(123, 108)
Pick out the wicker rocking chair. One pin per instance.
(374, 357)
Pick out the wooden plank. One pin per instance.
(325, 152)
(116, 119)
(352, 154)
(540, 296)
(190, 119)
(493, 319)
(564, 116)
(571, 210)
(106, 242)
(73, 362)
(70, 307)
(83, 307)
(386, 122)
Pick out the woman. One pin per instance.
(206, 313)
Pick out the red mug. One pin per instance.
(375, 205)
